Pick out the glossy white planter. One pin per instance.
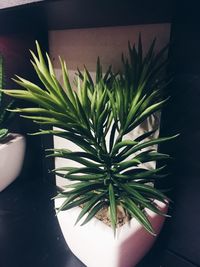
(94, 243)
(11, 159)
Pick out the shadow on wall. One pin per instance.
(82, 46)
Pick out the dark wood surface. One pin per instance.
(30, 235)
(171, 259)
(29, 231)
(65, 14)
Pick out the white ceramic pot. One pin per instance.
(94, 243)
(11, 159)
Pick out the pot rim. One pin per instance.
(122, 231)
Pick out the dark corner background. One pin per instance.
(181, 235)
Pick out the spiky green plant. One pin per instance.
(96, 116)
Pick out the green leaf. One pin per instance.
(75, 170)
(68, 199)
(84, 94)
(76, 139)
(121, 144)
(89, 205)
(81, 112)
(146, 144)
(150, 191)
(46, 80)
(64, 154)
(151, 206)
(133, 193)
(97, 177)
(112, 207)
(49, 113)
(135, 212)
(90, 81)
(134, 108)
(72, 204)
(142, 173)
(93, 212)
(38, 99)
(31, 87)
(66, 82)
(113, 106)
(148, 156)
(107, 74)
(127, 164)
(149, 54)
(50, 66)
(100, 122)
(83, 187)
(81, 155)
(148, 111)
(112, 136)
(145, 135)
(3, 134)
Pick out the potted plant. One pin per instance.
(12, 146)
(112, 182)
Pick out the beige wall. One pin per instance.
(82, 46)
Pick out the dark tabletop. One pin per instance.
(30, 235)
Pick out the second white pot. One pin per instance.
(94, 243)
(11, 159)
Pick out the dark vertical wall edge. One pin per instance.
(182, 116)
